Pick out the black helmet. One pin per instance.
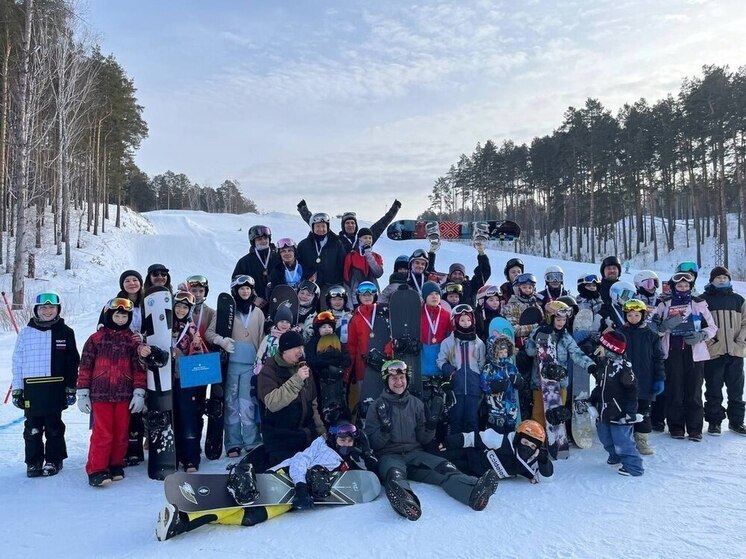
(611, 261)
(512, 263)
(335, 291)
(259, 231)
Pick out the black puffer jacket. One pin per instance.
(645, 354)
(616, 393)
(251, 265)
(329, 271)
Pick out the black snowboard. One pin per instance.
(404, 315)
(532, 315)
(283, 295)
(203, 492)
(156, 328)
(215, 404)
(372, 385)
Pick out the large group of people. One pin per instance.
(650, 346)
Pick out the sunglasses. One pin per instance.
(120, 304)
(159, 274)
(47, 298)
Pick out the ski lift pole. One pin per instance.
(15, 327)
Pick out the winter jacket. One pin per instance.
(567, 350)
(513, 309)
(594, 305)
(252, 334)
(290, 416)
(332, 255)
(360, 267)
(470, 286)
(45, 351)
(408, 425)
(358, 338)
(463, 360)
(184, 346)
(604, 290)
(546, 296)
(396, 281)
(697, 306)
(729, 312)
(645, 354)
(253, 264)
(616, 392)
(202, 318)
(343, 318)
(506, 292)
(376, 229)
(110, 366)
(484, 316)
(443, 328)
(279, 275)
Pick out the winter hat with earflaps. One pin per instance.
(614, 341)
(719, 271)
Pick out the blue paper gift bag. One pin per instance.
(200, 369)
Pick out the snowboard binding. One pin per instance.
(554, 371)
(320, 480)
(375, 358)
(558, 415)
(214, 407)
(157, 421)
(407, 344)
(241, 482)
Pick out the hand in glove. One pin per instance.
(543, 457)
(658, 387)
(397, 204)
(434, 412)
(695, 337)
(383, 409)
(228, 344)
(84, 400)
(70, 396)
(670, 323)
(137, 404)
(593, 370)
(18, 400)
(517, 381)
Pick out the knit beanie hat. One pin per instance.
(283, 313)
(430, 287)
(128, 273)
(456, 267)
(364, 231)
(614, 341)
(289, 340)
(719, 271)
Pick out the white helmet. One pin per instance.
(647, 280)
(556, 272)
(621, 292)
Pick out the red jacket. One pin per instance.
(444, 325)
(358, 338)
(354, 259)
(110, 366)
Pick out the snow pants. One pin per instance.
(35, 429)
(189, 406)
(241, 430)
(428, 468)
(684, 410)
(727, 370)
(236, 516)
(463, 417)
(620, 444)
(644, 426)
(109, 437)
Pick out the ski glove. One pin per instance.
(695, 337)
(397, 204)
(517, 381)
(18, 400)
(543, 456)
(383, 409)
(228, 344)
(434, 412)
(137, 404)
(84, 400)
(658, 387)
(70, 396)
(670, 323)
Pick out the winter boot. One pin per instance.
(404, 502)
(117, 473)
(641, 439)
(320, 481)
(241, 482)
(51, 468)
(714, 429)
(483, 490)
(302, 499)
(99, 479)
(738, 429)
(170, 523)
(34, 470)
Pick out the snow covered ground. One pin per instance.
(689, 503)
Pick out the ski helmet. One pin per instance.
(621, 292)
(117, 304)
(241, 280)
(367, 287)
(256, 231)
(53, 298)
(532, 430)
(458, 310)
(402, 261)
(557, 308)
(485, 292)
(419, 254)
(512, 263)
(588, 278)
(647, 281)
(324, 317)
(394, 367)
(185, 298)
(611, 261)
(308, 285)
(554, 273)
(286, 242)
(342, 429)
(523, 279)
(570, 301)
(682, 276)
(319, 217)
(335, 291)
(637, 306)
(690, 267)
(198, 281)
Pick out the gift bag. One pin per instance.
(200, 369)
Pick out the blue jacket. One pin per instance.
(463, 360)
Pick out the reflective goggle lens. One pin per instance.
(325, 315)
(320, 218)
(396, 368)
(48, 298)
(196, 281)
(285, 243)
(243, 279)
(120, 303)
(525, 278)
(564, 312)
(454, 288)
(554, 276)
(367, 288)
(590, 278)
(635, 305)
(337, 292)
(688, 267)
(346, 430)
(184, 297)
(649, 284)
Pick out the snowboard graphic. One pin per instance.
(202, 492)
(159, 396)
(283, 295)
(582, 421)
(407, 229)
(215, 405)
(550, 376)
(404, 314)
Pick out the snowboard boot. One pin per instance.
(241, 482)
(51, 468)
(695, 437)
(34, 470)
(132, 461)
(623, 471)
(483, 490)
(99, 479)
(302, 499)
(320, 481)
(404, 502)
(641, 439)
(714, 429)
(659, 427)
(170, 523)
(738, 429)
(117, 473)
(613, 461)
(678, 435)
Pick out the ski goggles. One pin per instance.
(564, 312)
(461, 309)
(285, 243)
(197, 281)
(649, 284)
(337, 291)
(635, 305)
(347, 430)
(47, 298)
(120, 304)
(324, 316)
(525, 278)
(419, 254)
(185, 298)
(682, 276)
(454, 288)
(554, 276)
(688, 267)
(487, 292)
(242, 280)
(590, 278)
(395, 367)
(261, 231)
(367, 288)
(320, 218)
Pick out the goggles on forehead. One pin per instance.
(337, 292)
(242, 280)
(590, 278)
(635, 305)
(325, 315)
(682, 276)
(320, 218)
(367, 288)
(120, 304)
(47, 298)
(688, 267)
(196, 281)
(285, 243)
(184, 297)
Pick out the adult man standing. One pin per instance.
(258, 262)
(322, 252)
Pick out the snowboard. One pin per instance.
(215, 404)
(157, 309)
(546, 357)
(373, 384)
(532, 315)
(283, 295)
(583, 325)
(407, 229)
(207, 492)
(404, 314)
(502, 327)
(582, 421)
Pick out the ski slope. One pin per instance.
(689, 503)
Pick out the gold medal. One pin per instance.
(318, 260)
(434, 340)
(372, 335)
(264, 273)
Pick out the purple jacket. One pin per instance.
(697, 306)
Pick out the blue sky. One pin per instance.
(350, 104)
